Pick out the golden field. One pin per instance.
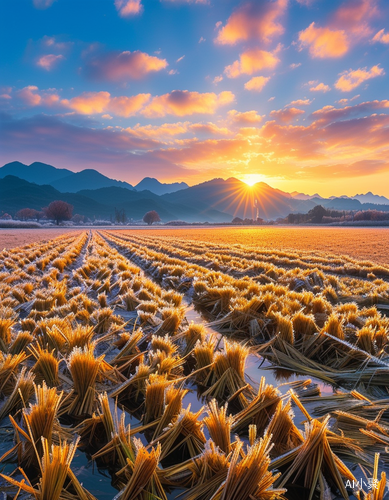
(99, 357)
(361, 243)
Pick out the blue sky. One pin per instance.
(290, 92)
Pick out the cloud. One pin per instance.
(128, 106)
(320, 87)
(286, 115)
(202, 39)
(330, 114)
(48, 61)
(351, 79)
(349, 24)
(381, 36)
(217, 79)
(353, 16)
(184, 103)
(245, 117)
(256, 83)
(300, 102)
(294, 65)
(324, 42)
(209, 129)
(62, 144)
(159, 131)
(180, 59)
(257, 21)
(91, 103)
(176, 103)
(203, 2)
(43, 4)
(127, 8)
(31, 96)
(121, 66)
(251, 61)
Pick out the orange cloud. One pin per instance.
(348, 25)
(127, 8)
(244, 118)
(381, 36)
(48, 61)
(128, 106)
(89, 103)
(286, 115)
(300, 102)
(351, 79)
(209, 129)
(256, 83)
(184, 103)
(257, 21)
(324, 42)
(250, 62)
(320, 87)
(122, 66)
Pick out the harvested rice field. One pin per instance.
(362, 243)
(147, 365)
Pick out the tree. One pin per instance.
(151, 217)
(317, 213)
(26, 213)
(59, 211)
(120, 215)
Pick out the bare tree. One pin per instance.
(59, 211)
(151, 217)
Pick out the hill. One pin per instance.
(235, 197)
(39, 173)
(156, 187)
(87, 179)
(16, 194)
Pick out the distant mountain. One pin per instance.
(87, 179)
(302, 196)
(156, 187)
(371, 198)
(62, 179)
(37, 172)
(235, 197)
(17, 193)
(97, 196)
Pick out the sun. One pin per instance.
(251, 179)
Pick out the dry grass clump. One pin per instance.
(46, 366)
(314, 464)
(219, 425)
(259, 411)
(248, 475)
(226, 379)
(21, 394)
(142, 475)
(84, 369)
(55, 471)
(184, 437)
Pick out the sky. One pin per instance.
(294, 93)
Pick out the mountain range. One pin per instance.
(218, 200)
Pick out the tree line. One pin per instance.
(60, 211)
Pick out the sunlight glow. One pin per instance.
(251, 179)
